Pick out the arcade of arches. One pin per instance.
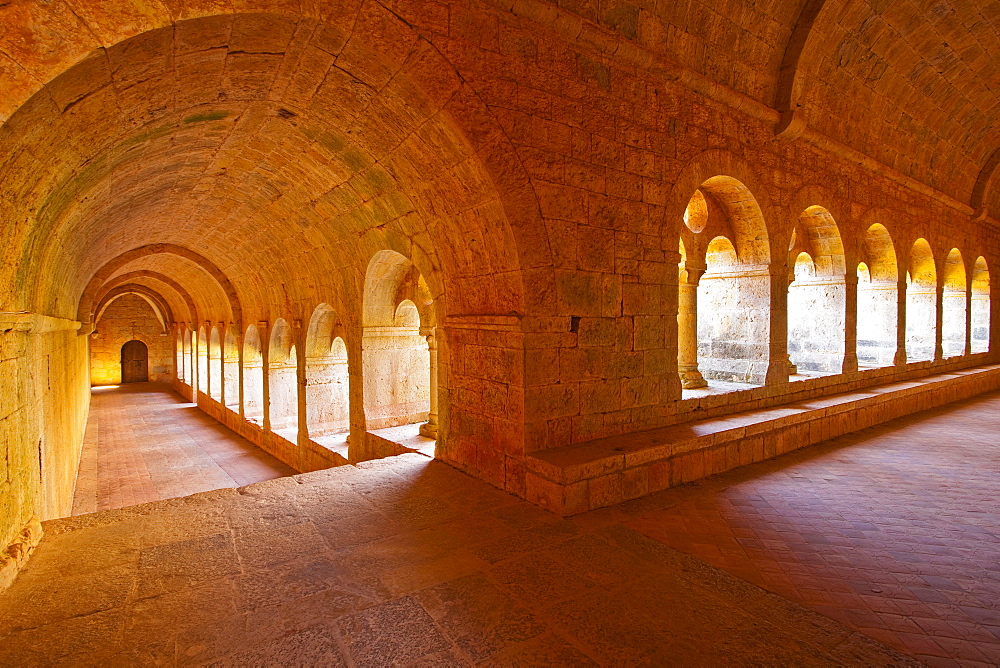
(554, 247)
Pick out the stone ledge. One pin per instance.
(584, 476)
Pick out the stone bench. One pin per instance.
(584, 476)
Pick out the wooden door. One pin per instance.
(135, 362)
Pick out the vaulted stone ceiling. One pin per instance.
(273, 143)
(237, 138)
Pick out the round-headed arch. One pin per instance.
(718, 194)
(156, 301)
(879, 254)
(132, 276)
(921, 264)
(85, 311)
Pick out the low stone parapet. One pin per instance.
(585, 476)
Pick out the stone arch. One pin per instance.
(877, 314)
(215, 370)
(231, 369)
(396, 357)
(201, 360)
(85, 311)
(282, 380)
(132, 276)
(979, 311)
(723, 286)
(921, 302)
(741, 195)
(817, 298)
(954, 305)
(187, 353)
(156, 301)
(327, 378)
(179, 353)
(253, 376)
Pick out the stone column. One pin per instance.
(430, 428)
(357, 441)
(777, 363)
(850, 322)
(687, 328)
(900, 358)
(968, 317)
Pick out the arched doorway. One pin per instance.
(135, 362)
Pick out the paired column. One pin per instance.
(687, 328)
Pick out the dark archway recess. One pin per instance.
(135, 362)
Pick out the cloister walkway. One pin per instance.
(146, 443)
(889, 535)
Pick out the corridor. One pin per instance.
(145, 443)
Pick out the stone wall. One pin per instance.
(130, 318)
(44, 401)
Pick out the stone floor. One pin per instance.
(145, 443)
(894, 531)
(405, 561)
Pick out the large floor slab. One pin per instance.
(404, 561)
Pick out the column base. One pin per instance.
(692, 379)
(429, 429)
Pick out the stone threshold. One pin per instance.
(584, 476)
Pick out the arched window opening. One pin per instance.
(877, 299)
(953, 306)
(921, 303)
(980, 308)
(399, 352)
(215, 365)
(231, 372)
(202, 361)
(327, 381)
(731, 298)
(817, 295)
(187, 352)
(282, 383)
(253, 377)
(179, 356)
